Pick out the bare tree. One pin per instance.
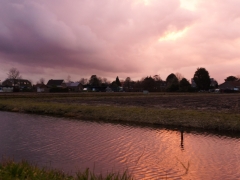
(157, 78)
(238, 76)
(179, 76)
(14, 75)
(127, 83)
(83, 81)
(41, 81)
(104, 80)
(30, 81)
(68, 79)
(100, 80)
(122, 81)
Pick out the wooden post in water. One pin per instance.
(182, 143)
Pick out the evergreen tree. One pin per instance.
(94, 81)
(184, 85)
(148, 84)
(172, 83)
(118, 82)
(231, 78)
(202, 79)
(127, 84)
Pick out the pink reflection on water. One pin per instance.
(147, 153)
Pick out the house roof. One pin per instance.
(52, 82)
(229, 85)
(41, 86)
(108, 88)
(17, 83)
(73, 84)
(17, 80)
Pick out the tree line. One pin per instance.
(173, 83)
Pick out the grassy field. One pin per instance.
(198, 110)
(10, 170)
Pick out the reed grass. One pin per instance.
(10, 170)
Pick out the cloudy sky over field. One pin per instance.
(109, 38)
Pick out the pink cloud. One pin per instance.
(118, 38)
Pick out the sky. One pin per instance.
(128, 38)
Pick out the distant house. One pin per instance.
(163, 85)
(6, 89)
(86, 87)
(18, 84)
(230, 85)
(98, 88)
(193, 84)
(213, 83)
(56, 83)
(74, 87)
(40, 88)
(108, 89)
(57, 86)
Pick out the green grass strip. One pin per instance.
(10, 170)
(175, 117)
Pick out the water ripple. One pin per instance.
(148, 153)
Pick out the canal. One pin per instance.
(147, 152)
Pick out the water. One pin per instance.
(147, 152)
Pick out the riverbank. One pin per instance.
(10, 170)
(204, 111)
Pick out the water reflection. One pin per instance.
(182, 143)
(148, 152)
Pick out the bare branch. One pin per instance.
(14, 74)
(179, 76)
(41, 81)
